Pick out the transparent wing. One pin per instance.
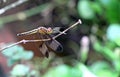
(56, 46)
(44, 50)
(57, 30)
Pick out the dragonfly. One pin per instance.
(44, 33)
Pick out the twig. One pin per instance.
(25, 41)
(63, 32)
(12, 6)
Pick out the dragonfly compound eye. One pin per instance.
(49, 30)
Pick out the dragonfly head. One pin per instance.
(49, 30)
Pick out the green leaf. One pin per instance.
(97, 46)
(60, 71)
(104, 50)
(85, 10)
(63, 71)
(96, 7)
(17, 53)
(99, 66)
(10, 62)
(113, 33)
(85, 71)
(103, 69)
(108, 53)
(74, 72)
(113, 11)
(27, 55)
(20, 70)
(12, 51)
(107, 73)
(116, 64)
(105, 3)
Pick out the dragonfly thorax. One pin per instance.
(43, 30)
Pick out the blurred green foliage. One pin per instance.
(20, 70)
(108, 9)
(113, 33)
(63, 71)
(16, 54)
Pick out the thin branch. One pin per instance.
(25, 41)
(3, 10)
(22, 41)
(24, 14)
(63, 32)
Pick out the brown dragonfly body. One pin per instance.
(45, 46)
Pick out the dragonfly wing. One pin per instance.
(54, 46)
(56, 30)
(44, 50)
